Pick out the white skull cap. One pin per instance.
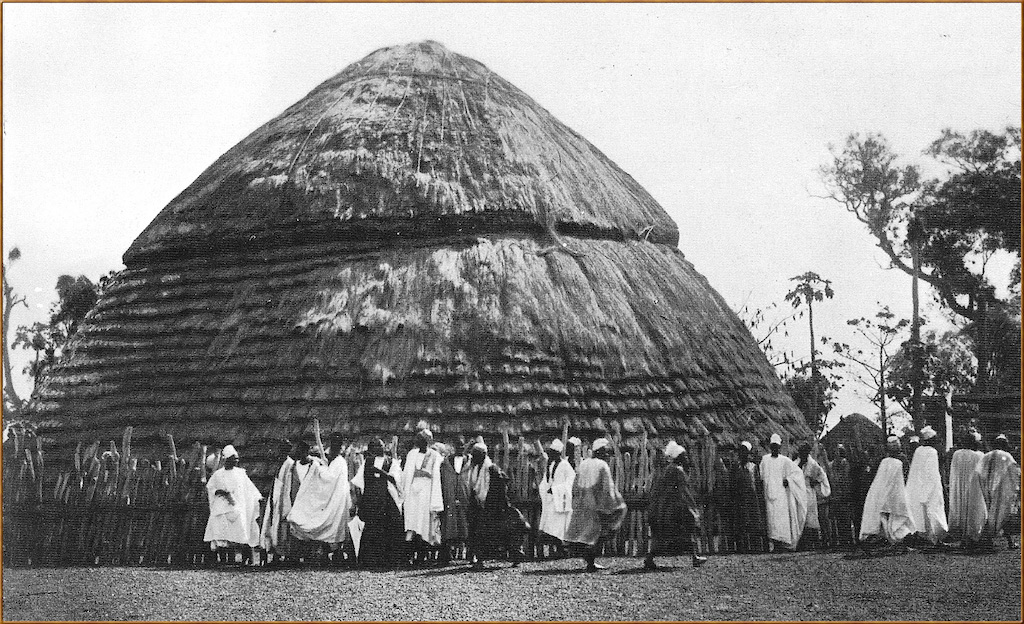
(229, 451)
(747, 445)
(775, 439)
(556, 445)
(598, 444)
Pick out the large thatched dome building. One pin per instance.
(415, 239)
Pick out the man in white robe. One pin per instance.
(275, 534)
(598, 506)
(924, 489)
(817, 486)
(886, 510)
(421, 489)
(785, 496)
(556, 493)
(997, 492)
(961, 480)
(234, 507)
(321, 508)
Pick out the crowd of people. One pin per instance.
(446, 500)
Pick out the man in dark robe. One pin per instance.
(673, 513)
(455, 493)
(496, 528)
(862, 473)
(841, 503)
(383, 537)
(747, 496)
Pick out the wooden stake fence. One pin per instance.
(116, 508)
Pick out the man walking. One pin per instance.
(598, 508)
(672, 513)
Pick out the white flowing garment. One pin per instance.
(924, 495)
(961, 481)
(886, 510)
(786, 506)
(421, 488)
(321, 507)
(813, 470)
(233, 523)
(556, 506)
(996, 491)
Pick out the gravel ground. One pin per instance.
(796, 586)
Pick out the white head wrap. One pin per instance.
(479, 444)
(914, 439)
(747, 445)
(927, 433)
(599, 444)
(575, 441)
(229, 451)
(556, 445)
(977, 436)
(673, 450)
(1001, 436)
(775, 439)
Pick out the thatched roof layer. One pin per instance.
(409, 135)
(505, 277)
(855, 430)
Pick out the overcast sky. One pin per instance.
(723, 112)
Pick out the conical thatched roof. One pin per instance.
(854, 430)
(415, 239)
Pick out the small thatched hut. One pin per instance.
(854, 431)
(414, 239)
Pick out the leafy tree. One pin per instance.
(814, 395)
(956, 223)
(874, 363)
(811, 287)
(950, 367)
(75, 297)
(43, 339)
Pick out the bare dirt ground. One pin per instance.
(796, 586)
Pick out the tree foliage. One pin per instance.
(873, 360)
(949, 366)
(75, 297)
(957, 220)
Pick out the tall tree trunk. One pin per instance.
(883, 417)
(816, 426)
(917, 374)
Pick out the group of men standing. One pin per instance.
(447, 496)
(984, 492)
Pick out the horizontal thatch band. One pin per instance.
(500, 334)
